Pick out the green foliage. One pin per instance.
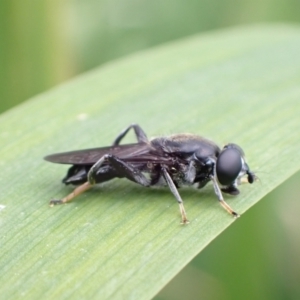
(122, 241)
(45, 42)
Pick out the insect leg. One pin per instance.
(176, 194)
(139, 133)
(79, 190)
(231, 190)
(107, 173)
(221, 199)
(249, 179)
(122, 169)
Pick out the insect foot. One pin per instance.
(185, 222)
(55, 202)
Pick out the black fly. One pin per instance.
(180, 159)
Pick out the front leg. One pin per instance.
(139, 133)
(221, 199)
(231, 190)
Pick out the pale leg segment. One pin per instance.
(176, 194)
(221, 199)
(77, 191)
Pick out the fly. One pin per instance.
(176, 160)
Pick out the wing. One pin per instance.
(135, 153)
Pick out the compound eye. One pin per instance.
(229, 165)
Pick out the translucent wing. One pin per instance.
(135, 153)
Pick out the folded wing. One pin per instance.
(134, 153)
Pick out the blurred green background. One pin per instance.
(43, 43)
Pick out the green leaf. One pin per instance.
(120, 240)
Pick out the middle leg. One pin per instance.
(173, 189)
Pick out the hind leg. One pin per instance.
(121, 169)
(79, 190)
(104, 169)
(78, 175)
(139, 133)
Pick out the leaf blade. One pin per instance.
(123, 241)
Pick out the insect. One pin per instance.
(179, 159)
